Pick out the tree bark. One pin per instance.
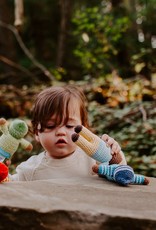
(7, 43)
(65, 12)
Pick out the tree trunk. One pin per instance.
(121, 8)
(7, 46)
(19, 11)
(65, 12)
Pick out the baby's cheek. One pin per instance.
(73, 146)
(70, 134)
(46, 142)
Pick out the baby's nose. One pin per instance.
(61, 131)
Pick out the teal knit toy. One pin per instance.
(12, 136)
(121, 174)
(110, 168)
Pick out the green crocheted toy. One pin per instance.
(110, 168)
(12, 136)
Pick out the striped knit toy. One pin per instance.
(12, 136)
(121, 174)
(94, 146)
(91, 144)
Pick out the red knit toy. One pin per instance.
(3, 172)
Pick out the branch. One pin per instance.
(143, 111)
(15, 65)
(26, 51)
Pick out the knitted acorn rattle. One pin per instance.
(12, 136)
(110, 166)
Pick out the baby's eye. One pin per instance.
(50, 127)
(70, 126)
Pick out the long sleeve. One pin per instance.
(25, 170)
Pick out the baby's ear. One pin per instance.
(37, 137)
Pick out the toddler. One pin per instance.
(56, 112)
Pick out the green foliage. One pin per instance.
(101, 36)
(145, 50)
(98, 33)
(130, 121)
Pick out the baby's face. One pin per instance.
(56, 139)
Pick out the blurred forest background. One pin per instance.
(106, 47)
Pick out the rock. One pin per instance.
(77, 204)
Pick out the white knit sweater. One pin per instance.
(43, 167)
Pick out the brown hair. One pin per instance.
(55, 100)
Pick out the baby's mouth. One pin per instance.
(61, 141)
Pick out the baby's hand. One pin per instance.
(2, 121)
(95, 168)
(29, 147)
(115, 147)
(117, 155)
(7, 162)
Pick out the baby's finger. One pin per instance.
(109, 140)
(114, 145)
(105, 137)
(7, 162)
(115, 148)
